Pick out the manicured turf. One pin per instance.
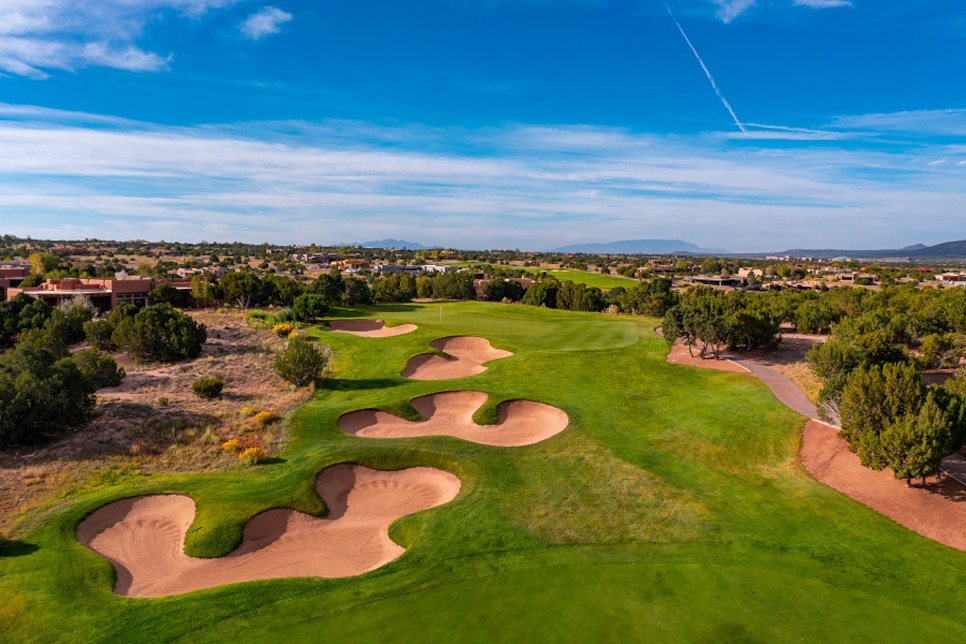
(671, 509)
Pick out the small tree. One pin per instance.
(301, 363)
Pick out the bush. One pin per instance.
(208, 388)
(264, 418)
(301, 363)
(283, 330)
(159, 332)
(308, 307)
(100, 368)
(98, 334)
(247, 411)
(257, 316)
(283, 315)
(41, 394)
(252, 456)
(232, 445)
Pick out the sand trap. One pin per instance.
(370, 328)
(521, 422)
(144, 537)
(468, 354)
(935, 511)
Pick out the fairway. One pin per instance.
(671, 507)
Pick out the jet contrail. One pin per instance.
(707, 73)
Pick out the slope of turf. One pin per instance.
(671, 508)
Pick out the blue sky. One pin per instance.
(486, 123)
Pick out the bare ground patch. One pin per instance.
(153, 422)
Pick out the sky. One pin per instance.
(747, 125)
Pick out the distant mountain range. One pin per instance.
(393, 243)
(947, 250)
(640, 247)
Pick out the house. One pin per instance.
(105, 292)
(952, 279)
(11, 275)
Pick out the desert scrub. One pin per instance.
(283, 330)
(247, 412)
(252, 456)
(231, 445)
(208, 388)
(264, 418)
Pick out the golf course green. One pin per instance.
(672, 508)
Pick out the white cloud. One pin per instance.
(728, 10)
(823, 4)
(266, 22)
(941, 122)
(37, 36)
(520, 186)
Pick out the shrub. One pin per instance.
(283, 315)
(252, 456)
(100, 368)
(41, 393)
(160, 332)
(163, 401)
(308, 307)
(98, 333)
(208, 388)
(301, 362)
(257, 316)
(232, 445)
(247, 411)
(283, 330)
(264, 418)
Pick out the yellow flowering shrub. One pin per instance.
(252, 455)
(264, 418)
(283, 330)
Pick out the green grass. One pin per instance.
(670, 509)
(603, 282)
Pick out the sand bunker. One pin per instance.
(521, 422)
(370, 328)
(144, 537)
(467, 356)
(935, 511)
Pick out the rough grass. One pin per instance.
(670, 509)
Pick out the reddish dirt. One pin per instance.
(521, 422)
(936, 511)
(679, 355)
(143, 537)
(370, 328)
(466, 357)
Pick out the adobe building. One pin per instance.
(10, 276)
(105, 293)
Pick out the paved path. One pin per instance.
(783, 389)
(954, 466)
